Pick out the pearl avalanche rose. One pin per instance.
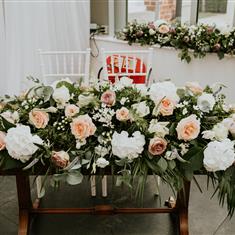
(124, 146)
(167, 106)
(141, 108)
(20, 143)
(108, 98)
(71, 110)
(60, 159)
(219, 155)
(82, 127)
(61, 95)
(38, 118)
(188, 128)
(123, 114)
(2, 140)
(102, 162)
(157, 146)
(206, 102)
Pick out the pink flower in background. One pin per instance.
(38, 118)
(60, 159)
(157, 146)
(71, 110)
(167, 107)
(164, 29)
(122, 114)
(108, 98)
(194, 87)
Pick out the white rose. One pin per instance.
(20, 143)
(221, 131)
(124, 146)
(141, 108)
(84, 100)
(102, 162)
(12, 117)
(152, 31)
(101, 151)
(219, 155)
(159, 128)
(55, 83)
(160, 90)
(206, 102)
(61, 95)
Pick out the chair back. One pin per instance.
(60, 64)
(136, 64)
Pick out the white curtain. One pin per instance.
(31, 25)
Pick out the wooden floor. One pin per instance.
(204, 214)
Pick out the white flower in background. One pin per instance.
(55, 83)
(185, 111)
(229, 123)
(124, 146)
(142, 88)
(102, 162)
(12, 117)
(104, 115)
(20, 143)
(152, 31)
(71, 110)
(221, 131)
(84, 100)
(50, 110)
(209, 135)
(206, 102)
(171, 155)
(188, 128)
(161, 90)
(61, 95)
(122, 83)
(159, 128)
(101, 150)
(219, 155)
(141, 108)
(123, 100)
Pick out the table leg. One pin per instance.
(182, 205)
(24, 202)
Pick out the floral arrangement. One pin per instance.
(132, 129)
(197, 40)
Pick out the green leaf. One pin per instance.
(7, 125)
(171, 164)
(162, 163)
(9, 163)
(74, 177)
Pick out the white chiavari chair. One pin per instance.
(61, 64)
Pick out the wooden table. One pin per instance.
(27, 209)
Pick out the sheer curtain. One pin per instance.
(32, 25)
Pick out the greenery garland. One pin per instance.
(197, 40)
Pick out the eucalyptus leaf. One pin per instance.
(162, 163)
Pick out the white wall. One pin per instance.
(166, 64)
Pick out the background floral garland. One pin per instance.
(197, 40)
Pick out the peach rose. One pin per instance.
(188, 128)
(71, 110)
(194, 87)
(166, 107)
(38, 118)
(108, 98)
(2, 140)
(60, 159)
(157, 146)
(164, 29)
(122, 114)
(82, 127)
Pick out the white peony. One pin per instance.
(206, 102)
(20, 143)
(219, 155)
(161, 90)
(101, 151)
(12, 117)
(124, 146)
(84, 100)
(141, 108)
(102, 162)
(159, 128)
(61, 95)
